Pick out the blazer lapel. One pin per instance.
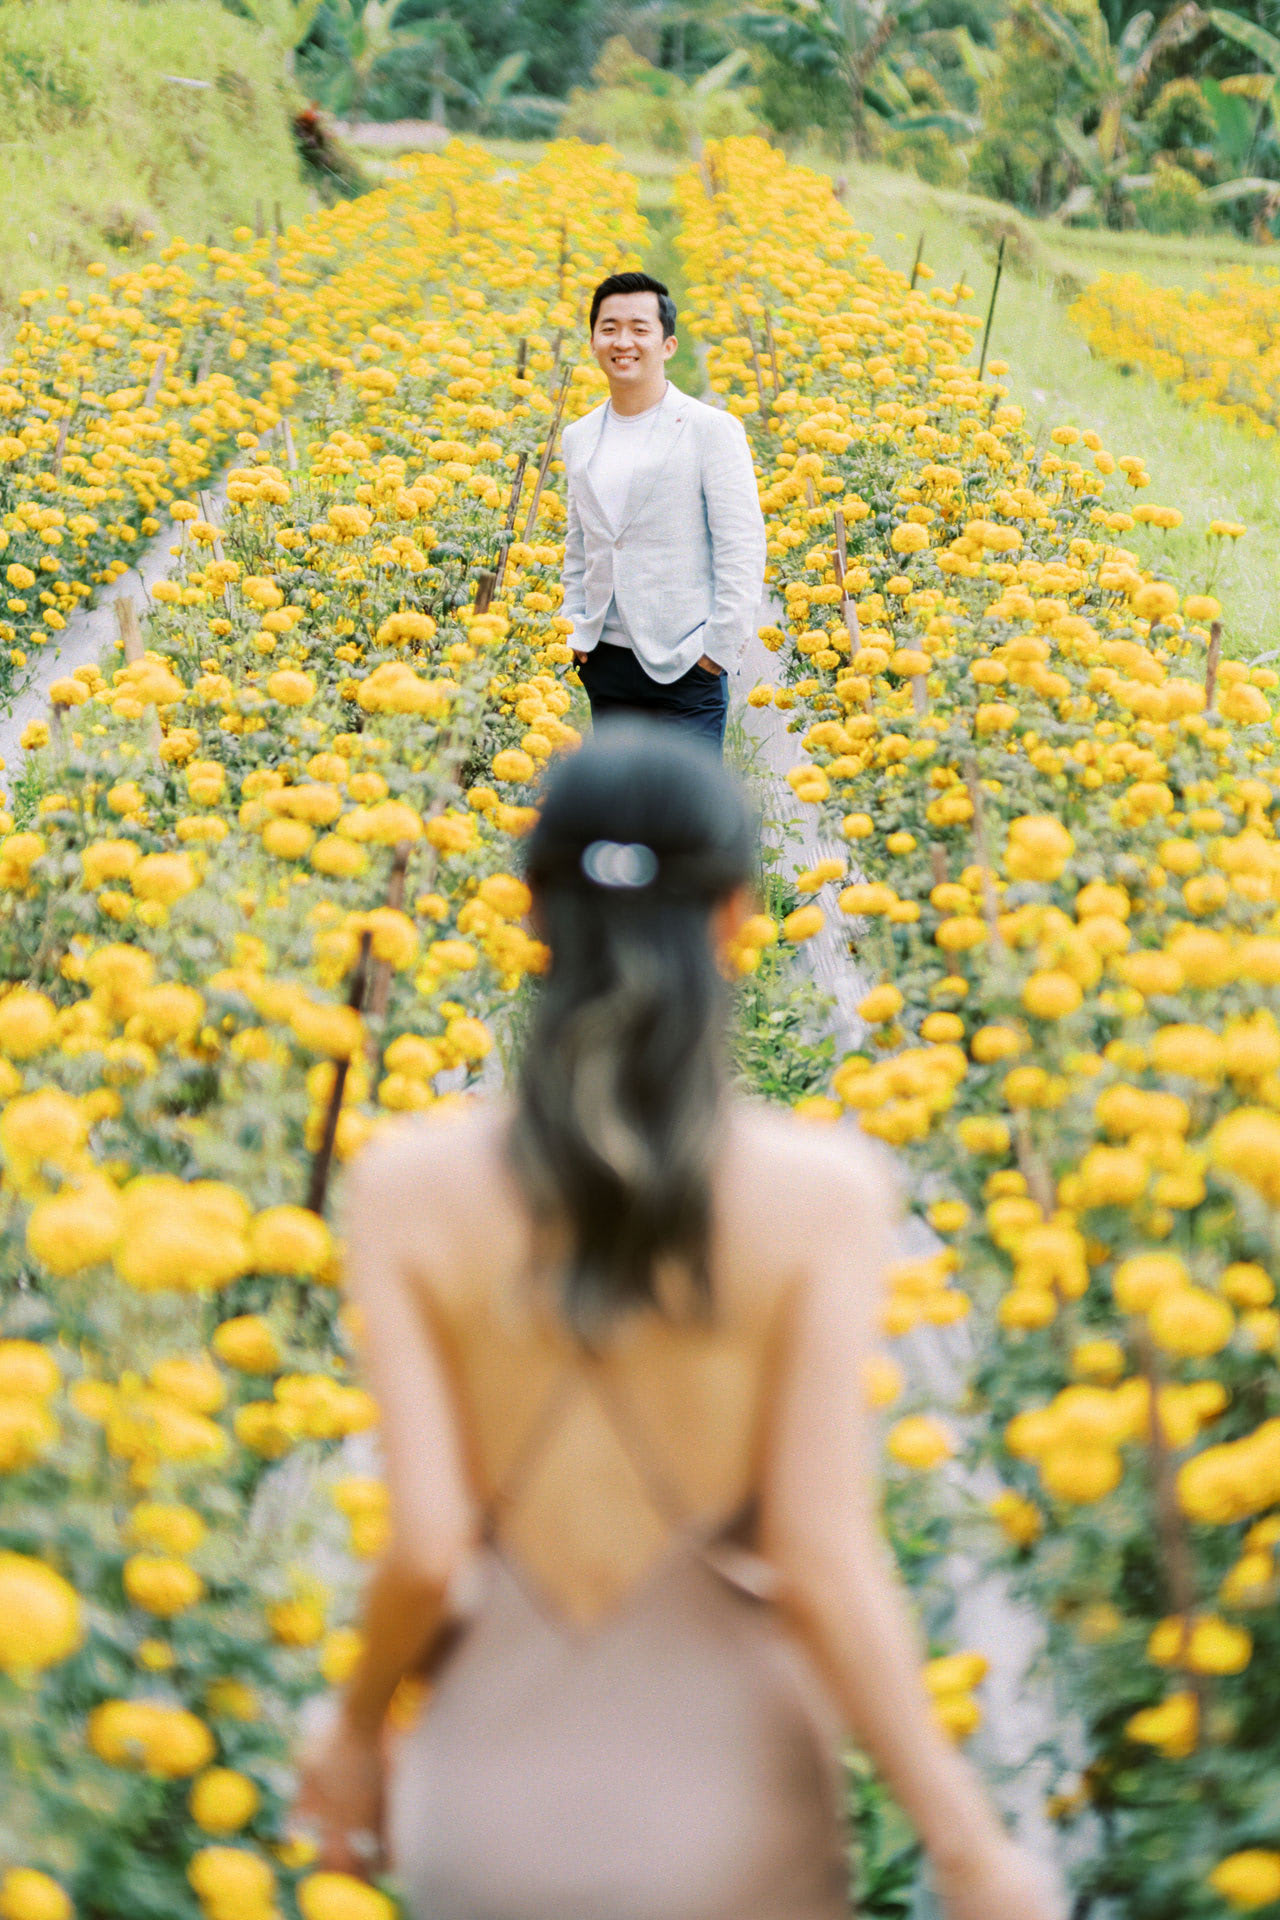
(667, 428)
(594, 424)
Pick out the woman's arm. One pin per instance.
(821, 1529)
(433, 1517)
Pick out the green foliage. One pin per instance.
(103, 145)
(1181, 116)
(1035, 81)
(1174, 202)
(925, 151)
(634, 102)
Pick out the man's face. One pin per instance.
(628, 341)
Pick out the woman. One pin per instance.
(616, 1325)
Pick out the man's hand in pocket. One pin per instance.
(579, 657)
(709, 666)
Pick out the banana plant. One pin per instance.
(1263, 45)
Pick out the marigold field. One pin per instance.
(270, 897)
(1217, 347)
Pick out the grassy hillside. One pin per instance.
(102, 144)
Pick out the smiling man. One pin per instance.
(665, 546)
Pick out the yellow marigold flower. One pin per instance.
(40, 1622)
(803, 923)
(920, 1441)
(247, 1343)
(1248, 1879)
(337, 1896)
(223, 1801)
(289, 1240)
(26, 1894)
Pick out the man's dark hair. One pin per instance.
(636, 283)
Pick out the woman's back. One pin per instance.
(617, 1327)
(624, 1726)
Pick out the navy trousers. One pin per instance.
(616, 683)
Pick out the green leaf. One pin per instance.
(1248, 33)
(1070, 39)
(1232, 118)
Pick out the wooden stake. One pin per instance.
(848, 607)
(206, 509)
(127, 628)
(522, 354)
(157, 375)
(290, 451)
(762, 401)
(1175, 1552)
(938, 863)
(1211, 665)
(983, 849)
(486, 581)
(915, 264)
(381, 990)
(919, 695)
(773, 353)
(548, 450)
(995, 288)
(64, 428)
(508, 525)
(322, 1160)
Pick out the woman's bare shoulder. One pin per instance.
(824, 1166)
(433, 1154)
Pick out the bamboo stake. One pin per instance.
(547, 451)
(157, 375)
(995, 288)
(919, 695)
(508, 525)
(131, 646)
(290, 450)
(982, 845)
(915, 264)
(206, 508)
(773, 353)
(127, 628)
(486, 580)
(522, 354)
(938, 863)
(848, 607)
(64, 428)
(380, 993)
(1211, 665)
(322, 1160)
(756, 367)
(1171, 1530)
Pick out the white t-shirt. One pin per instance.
(622, 441)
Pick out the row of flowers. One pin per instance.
(1216, 346)
(266, 900)
(1051, 806)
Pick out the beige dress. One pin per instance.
(620, 1725)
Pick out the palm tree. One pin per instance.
(287, 22)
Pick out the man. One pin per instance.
(665, 546)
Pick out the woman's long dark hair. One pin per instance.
(619, 1091)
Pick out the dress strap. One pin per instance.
(513, 1482)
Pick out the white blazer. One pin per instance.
(686, 564)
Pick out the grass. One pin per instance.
(101, 143)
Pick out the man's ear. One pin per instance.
(669, 345)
